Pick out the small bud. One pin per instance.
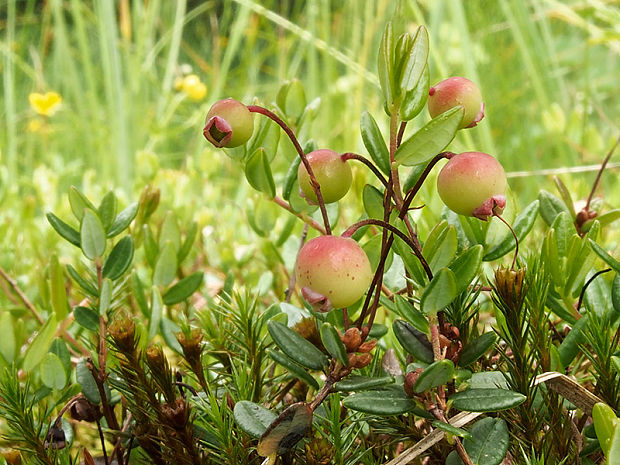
(509, 286)
(319, 452)
(229, 123)
(176, 413)
(453, 92)
(367, 346)
(123, 332)
(191, 344)
(359, 360)
(410, 379)
(84, 410)
(351, 339)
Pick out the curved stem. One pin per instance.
(585, 286)
(367, 162)
(291, 135)
(351, 230)
(401, 133)
(306, 219)
(514, 259)
(414, 190)
(600, 173)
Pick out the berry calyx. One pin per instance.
(331, 172)
(473, 184)
(229, 123)
(333, 271)
(457, 91)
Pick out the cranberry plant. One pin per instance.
(398, 339)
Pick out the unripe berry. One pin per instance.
(453, 92)
(331, 172)
(334, 268)
(473, 184)
(229, 123)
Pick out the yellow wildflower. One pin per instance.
(45, 104)
(194, 88)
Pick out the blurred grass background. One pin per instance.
(549, 71)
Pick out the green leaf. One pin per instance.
(169, 232)
(66, 232)
(415, 99)
(477, 348)
(294, 368)
(169, 329)
(151, 249)
(441, 251)
(448, 428)
(373, 201)
(381, 402)
(157, 308)
(436, 374)
(431, 139)
(488, 444)
(564, 229)
(58, 292)
(407, 311)
(188, 243)
(79, 203)
(8, 347)
(290, 178)
(183, 289)
(107, 210)
(613, 457)
(466, 266)
(611, 261)
(53, 373)
(615, 293)
(296, 347)
(374, 142)
(334, 345)
(258, 173)
(362, 383)
(92, 235)
(550, 206)
(570, 346)
(605, 219)
(119, 260)
(40, 344)
(105, 297)
(253, 419)
(86, 286)
(85, 379)
(123, 220)
(385, 64)
(486, 400)
(605, 424)
(440, 292)
(522, 226)
(415, 61)
(413, 341)
(138, 292)
(166, 265)
(86, 317)
(566, 196)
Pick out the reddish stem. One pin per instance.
(365, 161)
(414, 190)
(600, 173)
(514, 259)
(291, 135)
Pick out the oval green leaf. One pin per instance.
(258, 173)
(296, 347)
(166, 265)
(107, 210)
(294, 368)
(362, 383)
(119, 259)
(611, 261)
(413, 341)
(436, 374)
(440, 292)
(431, 139)
(374, 142)
(466, 266)
(252, 418)
(53, 373)
(40, 344)
(92, 235)
(87, 318)
(85, 379)
(334, 345)
(381, 402)
(476, 348)
(157, 308)
(123, 220)
(407, 311)
(486, 400)
(184, 288)
(66, 232)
